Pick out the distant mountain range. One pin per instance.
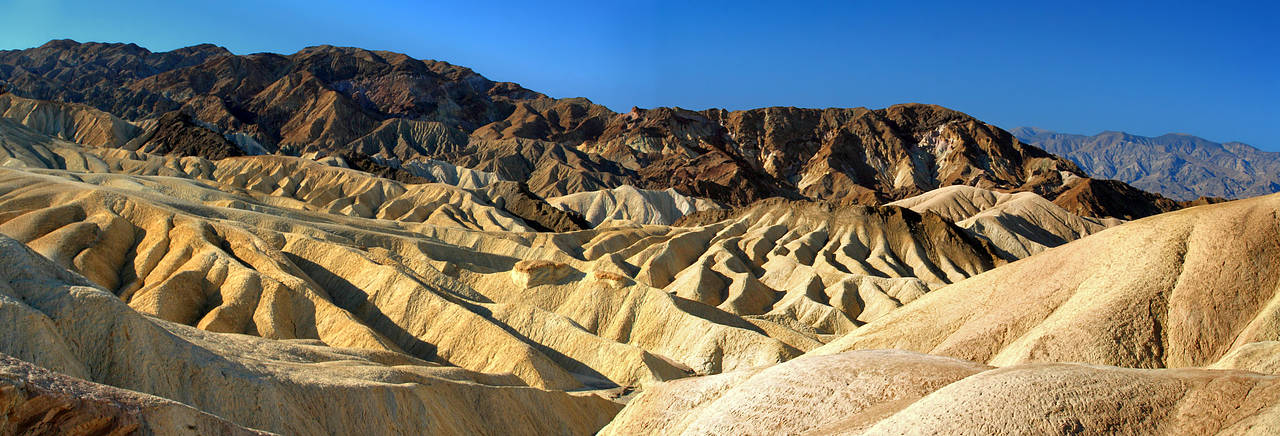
(1179, 166)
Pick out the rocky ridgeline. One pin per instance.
(388, 106)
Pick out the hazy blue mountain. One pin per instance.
(1179, 166)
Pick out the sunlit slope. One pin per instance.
(60, 321)
(898, 392)
(1181, 289)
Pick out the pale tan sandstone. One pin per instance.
(1081, 399)
(897, 392)
(793, 397)
(76, 123)
(1019, 225)
(1263, 357)
(627, 204)
(60, 321)
(1182, 289)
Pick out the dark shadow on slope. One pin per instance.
(354, 300)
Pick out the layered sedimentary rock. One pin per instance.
(782, 276)
(322, 277)
(770, 281)
(179, 134)
(1185, 290)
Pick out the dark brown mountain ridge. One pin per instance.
(341, 100)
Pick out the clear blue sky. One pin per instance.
(1210, 69)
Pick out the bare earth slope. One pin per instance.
(1018, 225)
(626, 204)
(35, 400)
(428, 251)
(219, 244)
(60, 321)
(1181, 289)
(290, 252)
(192, 241)
(897, 392)
(264, 260)
(70, 122)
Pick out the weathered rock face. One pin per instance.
(1111, 198)
(1017, 225)
(97, 73)
(389, 106)
(857, 155)
(516, 198)
(34, 400)
(357, 161)
(796, 397)
(785, 277)
(178, 134)
(530, 273)
(896, 152)
(289, 101)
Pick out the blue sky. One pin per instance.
(1210, 69)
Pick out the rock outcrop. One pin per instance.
(210, 243)
(516, 198)
(430, 251)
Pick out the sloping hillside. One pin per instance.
(1182, 289)
(887, 392)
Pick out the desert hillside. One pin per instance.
(345, 241)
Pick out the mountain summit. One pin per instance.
(397, 110)
(1179, 166)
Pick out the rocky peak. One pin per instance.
(328, 99)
